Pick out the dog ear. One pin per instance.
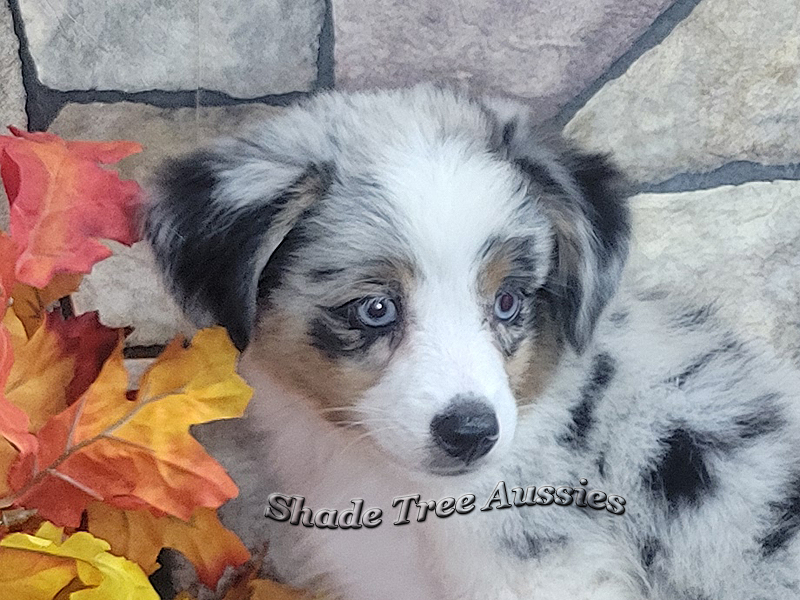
(215, 219)
(585, 198)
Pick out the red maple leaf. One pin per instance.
(63, 202)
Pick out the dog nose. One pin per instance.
(467, 430)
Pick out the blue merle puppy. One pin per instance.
(425, 293)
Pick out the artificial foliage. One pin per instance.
(97, 475)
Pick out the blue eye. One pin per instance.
(506, 305)
(377, 311)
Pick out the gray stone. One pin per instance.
(544, 51)
(128, 292)
(243, 49)
(723, 86)
(136, 367)
(12, 98)
(126, 288)
(738, 245)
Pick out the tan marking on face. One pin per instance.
(530, 368)
(492, 275)
(282, 347)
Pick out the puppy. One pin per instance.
(425, 294)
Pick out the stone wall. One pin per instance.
(698, 99)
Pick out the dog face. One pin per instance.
(412, 262)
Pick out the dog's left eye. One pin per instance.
(377, 311)
(506, 305)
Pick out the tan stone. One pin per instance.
(723, 86)
(544, 51)
(136, 368)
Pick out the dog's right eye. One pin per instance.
(376, 311)
(507, 305)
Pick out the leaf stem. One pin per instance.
(69, 450)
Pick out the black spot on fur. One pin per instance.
(603, 186)
(603, 370)
(528, 548)
(694, 368)
(509, 130)
(682, 476)
(540, 175)
(650, 548)
(787, 520)
(201, 267)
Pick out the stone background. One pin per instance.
(698, 99)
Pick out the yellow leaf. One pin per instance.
(7, 457)
(38, 576)
(39, 376)
(29, 576)
(31, 303)
(15, 328)
(139, 536)
(137, 452)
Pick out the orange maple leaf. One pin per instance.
(139, 536)
(14, 422)
(137, 453)
(57, 364)
(31, 304)
(249, 587)
(62, 202)
(8, 259)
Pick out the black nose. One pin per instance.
(467, 430)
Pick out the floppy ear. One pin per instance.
(216, 218)
(585, 198)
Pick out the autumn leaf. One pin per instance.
(30, 303)
(15, 438)
(251, 588)
(139, 535)
(38, 567)
(136, 454)
(57, 365)
(14, 423)
(8, 260)
(63, 202)
(259, 589)
(264, 589)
